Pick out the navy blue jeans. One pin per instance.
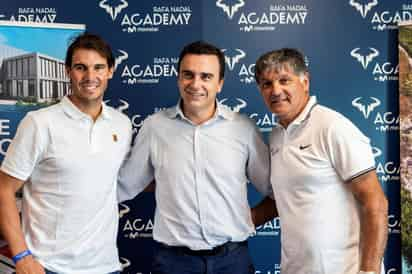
(169, 261)
(51, 272)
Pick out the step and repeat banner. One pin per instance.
(351, 47)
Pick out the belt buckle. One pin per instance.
(206, 252)
(217, 250)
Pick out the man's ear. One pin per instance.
(221, 82)
(111, 72)
(304, 78)
(67, 69)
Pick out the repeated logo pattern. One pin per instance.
(363, 8)
(230, 10)
(113, 11)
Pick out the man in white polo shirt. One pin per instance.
(332, 209)
(66, 157)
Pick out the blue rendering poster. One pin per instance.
(32, 75)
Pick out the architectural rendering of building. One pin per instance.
(31, 77)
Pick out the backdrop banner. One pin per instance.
(351, 47)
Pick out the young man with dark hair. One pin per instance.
(201, 155)
(66, 157)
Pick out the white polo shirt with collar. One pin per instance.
(311, 162)
(70, 165)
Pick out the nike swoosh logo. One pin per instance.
(304, 147)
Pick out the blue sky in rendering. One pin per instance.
(49, 41)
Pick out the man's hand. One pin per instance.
(266, 210)
(28, 265)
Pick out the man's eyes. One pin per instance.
(81, 67)
(187, 75)
(99, 67)
(284, 81)
(203, 76)
(206, 77)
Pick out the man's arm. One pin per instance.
(137, 171)
(10, 225)
(374, 219)
(258, 172)
(266, 210)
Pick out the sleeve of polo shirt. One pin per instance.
(349, 150)
(25, 150)
(137, 171)
(258, 164)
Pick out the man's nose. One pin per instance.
(90, 73)
(196, 82)
(276, 88)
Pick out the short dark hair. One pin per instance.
(92, 42)
(277, 59)
(201, 47)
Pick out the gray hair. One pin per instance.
(279, 59)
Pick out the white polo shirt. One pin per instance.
(70, 214)
(311, 162)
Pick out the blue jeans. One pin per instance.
(170, 261)
(51, 272)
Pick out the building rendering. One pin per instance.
(31, 77)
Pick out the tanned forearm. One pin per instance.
(265, 211)
(374, 220)
(10, 225)
(374, 233)
(9, 215)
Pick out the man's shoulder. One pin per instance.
(237, 117)
(324, 110)
(243, 120)
(326, 116)
(44, 113)
(332, 121)
(159, 118)
(118, 116)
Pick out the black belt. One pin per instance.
(218, 250)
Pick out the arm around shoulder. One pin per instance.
(258, 164)
(137, 171)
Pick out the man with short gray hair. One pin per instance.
(333, 211)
